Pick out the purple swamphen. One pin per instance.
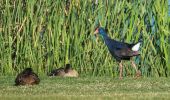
(120, 50)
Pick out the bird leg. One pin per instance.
(134, 65)
(138, 73)
(120, 70)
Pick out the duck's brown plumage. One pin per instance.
(57, 72)
(27, 77)
(64, 72)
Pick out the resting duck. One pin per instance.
(64, 72)
(120, 50)
(27, 77)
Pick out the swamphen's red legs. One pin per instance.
(138, 73)
(120, 70)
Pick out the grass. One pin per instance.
(87, 88)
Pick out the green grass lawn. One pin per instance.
(87, 88)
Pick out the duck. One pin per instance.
(64, 72)
(27, 77)
(120, 50)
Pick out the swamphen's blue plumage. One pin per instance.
(120, 50)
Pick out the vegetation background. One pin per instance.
(47, 34)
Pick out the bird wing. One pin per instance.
(116, 45)
(120, 49)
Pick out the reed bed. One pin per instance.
(47, 34)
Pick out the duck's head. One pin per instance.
(67, 67)
(100, 31)
(27, 70)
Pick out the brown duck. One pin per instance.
(27, 77)
(64, 72)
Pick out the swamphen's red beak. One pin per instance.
(95, 33)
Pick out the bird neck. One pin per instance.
(105, 36)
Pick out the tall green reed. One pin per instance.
(48, 34)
